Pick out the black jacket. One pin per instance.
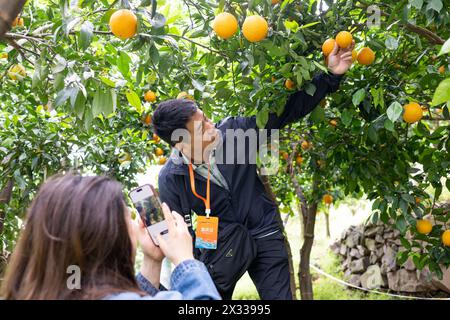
(246, 202)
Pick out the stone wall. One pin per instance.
(368, 254)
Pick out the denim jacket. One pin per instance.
(189, 281)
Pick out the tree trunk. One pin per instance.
(271, 195)
(304, 273)
(309, 220)
(8, 12)
(327, 224)
(5, 197)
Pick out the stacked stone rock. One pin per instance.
(369, 255)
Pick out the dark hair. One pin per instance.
(171, 115)
(73, 220)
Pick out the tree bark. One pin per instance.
(5, 197)
(309, 220)
(8, 12)
(327, 224)
(271, 195)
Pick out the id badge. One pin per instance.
(206, 232)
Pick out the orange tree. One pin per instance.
(75, 94)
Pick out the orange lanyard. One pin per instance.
(207, 200)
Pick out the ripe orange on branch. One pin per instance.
(441, 69)
(299, 160)
(446, 238)
(185, 95)
(150, 96)
(162, 160)
(344, 39)
(306, 145)
(424, 226)
(412, 112)
(255, 28)
(159, 152)
(366, 56)
(18, 22)
(328, 199)
(328, 46)
(289, 84)
(123, 24)
(225, 25)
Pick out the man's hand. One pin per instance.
(340, 60)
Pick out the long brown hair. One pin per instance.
(78, 221)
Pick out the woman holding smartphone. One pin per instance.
(83, 223)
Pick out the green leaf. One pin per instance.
(347, 116)
(358, 97)
(416, 3)
(394, 111)
(442, 93)
(389, 125)
(372, 132)
(445, 47)
(261, 118)
(436, 5)
(86, 34)
(134, 100)
(123, 63)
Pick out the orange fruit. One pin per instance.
(441, 69)
(306, 145)
(162, 160)
(4, 55)
(156, 138)
(275, 1)
(285, 155)
(328, 199)
(333, 123)
(412, 112)
(159, 152)
(147, 119)
(424, 226)
(446, 238)
(150, 96)
(321, 163)
(366, 56)
(299, 160)
(417, 200)
(225, 25)
(185, 95)
(354, 55)
(344, 39)
(289, 84)
(255, 28)
(18, 22)
(123, 24)
(328, 46)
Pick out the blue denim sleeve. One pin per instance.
(146, 285)
(192, 280)
(189, 281)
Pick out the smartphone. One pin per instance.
(148, 205)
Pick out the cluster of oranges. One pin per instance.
(424, 227)
(343, 40)
(255, 28)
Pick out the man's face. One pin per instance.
(202, 133)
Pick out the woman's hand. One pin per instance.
(340, 60)
(150, 250)
(178, 244)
